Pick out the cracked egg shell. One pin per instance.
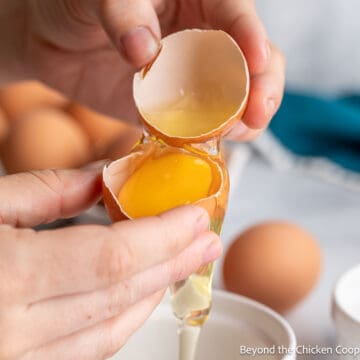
(204, 67)
(118, 172)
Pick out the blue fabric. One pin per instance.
(314, 126)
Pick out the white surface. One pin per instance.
(235, 321)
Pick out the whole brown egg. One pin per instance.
(275, 263)
(21, 98)
(46, 138)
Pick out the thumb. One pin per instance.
(39, 197)
(133, 27)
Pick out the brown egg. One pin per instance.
(102, 130)
(275, 263)
(123, 144)
(4, 126)
(46, 138)
(20, 98)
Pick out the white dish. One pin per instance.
(346, 314)
(235, 321)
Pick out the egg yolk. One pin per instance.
(165, 182)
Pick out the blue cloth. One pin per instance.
(314, 126)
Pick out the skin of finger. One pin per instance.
(89, 68)
(89, 257)
(240, 20)
(264, 87)
(138, 13)
(63, 22)
(100, 341)
(38, 197)
(245, 136)
(16, 281)
(85, 310)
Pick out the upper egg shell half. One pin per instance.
(193, 61)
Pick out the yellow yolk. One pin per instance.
(165, 182)
(191, 116)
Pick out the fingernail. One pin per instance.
(95, 166)
(213, 250)
(139, 45)
(270, 106)
(239, 130)
(202, 223)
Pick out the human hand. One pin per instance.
(81, 291)
(73, 45)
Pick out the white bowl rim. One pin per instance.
(263, 308)
(336, 302)
(226, 295)
(226, 298)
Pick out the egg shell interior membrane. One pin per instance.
(197, 83)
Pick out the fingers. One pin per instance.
(240, 20)
(266, 92)
(102, 340)
(43, 265)
(266, 64)
(29, 199)
(240, 132)
(133, 27)
(85, 258)
(85, 310)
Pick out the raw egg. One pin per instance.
(192, 93)
(150, 190)
(184, 97)
(275, 263)
(156, 178)
(102, 130)
(46, 138)
(21, 98)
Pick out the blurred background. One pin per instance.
(320, 41)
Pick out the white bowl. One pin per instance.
(237, 325)
(346, 314)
